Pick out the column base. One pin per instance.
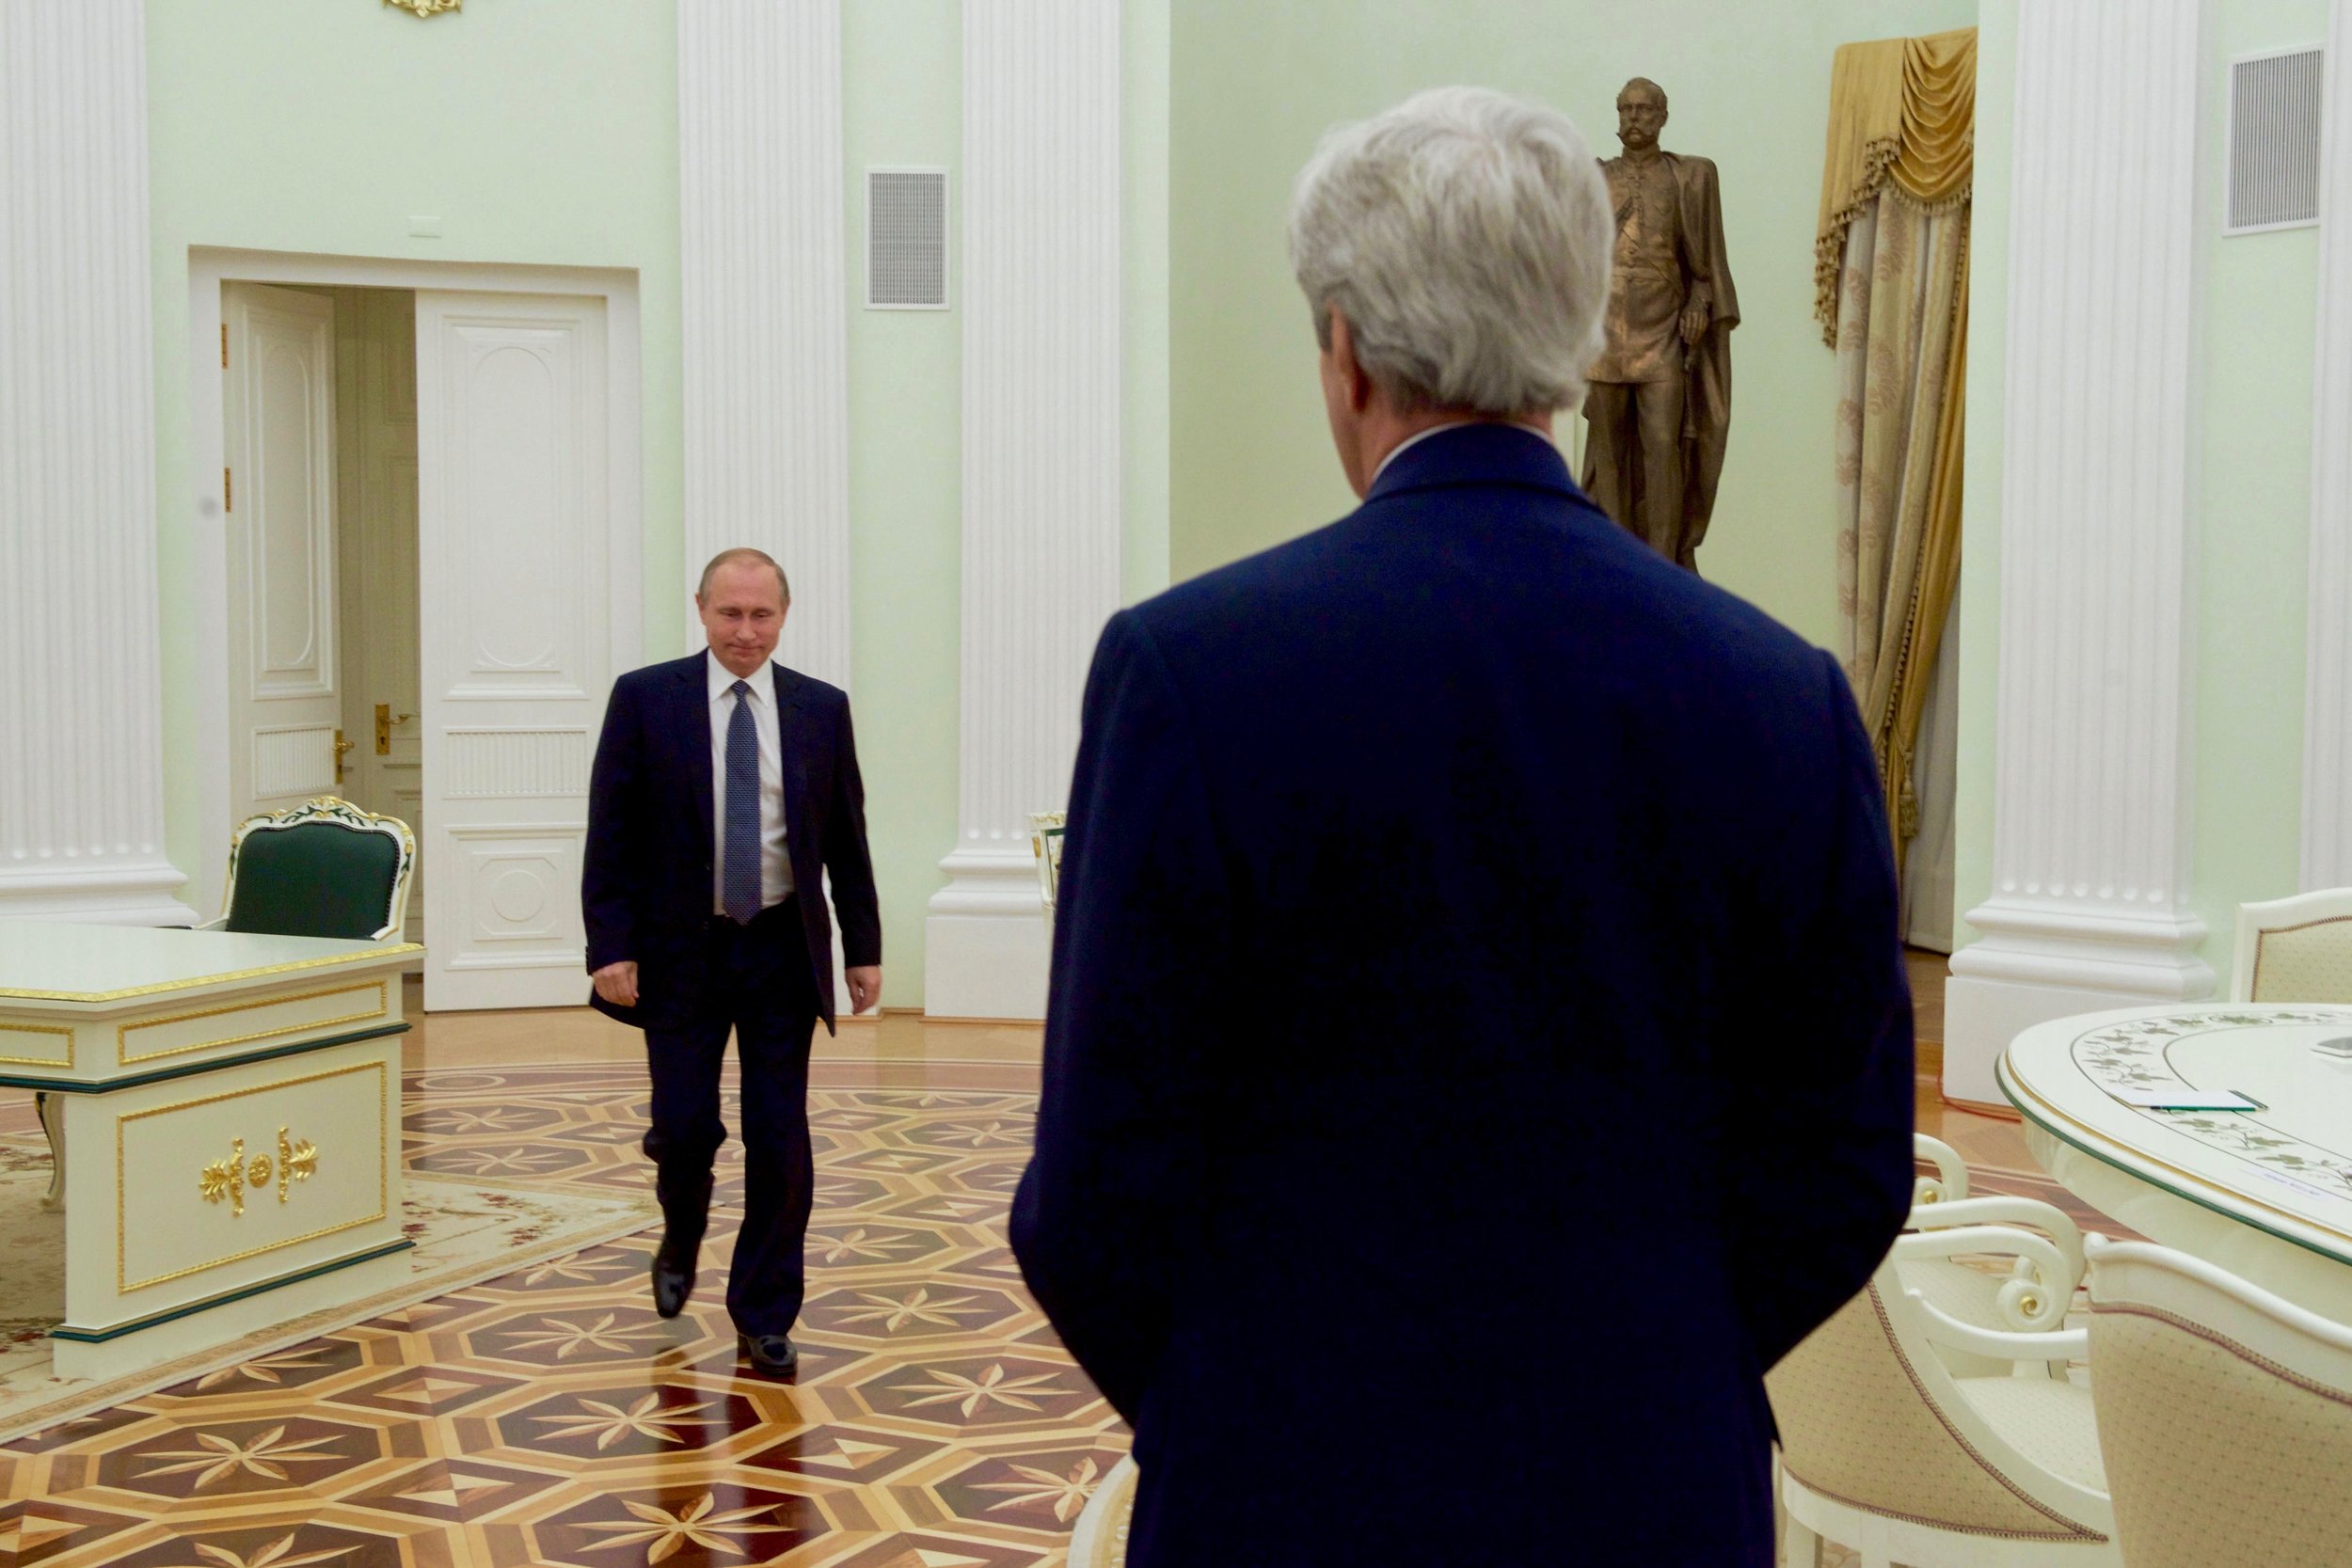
(112, 893)
(2040, 963)
(985, 950)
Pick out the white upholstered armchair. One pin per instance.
(1099, 1539)
(2295, 949)
(1045, 834)
(2033, 1293)
(1884, 1448)
(2225, 1415)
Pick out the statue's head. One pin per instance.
(1641, 114)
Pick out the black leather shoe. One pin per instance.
(673, 1278)
(773, 1353)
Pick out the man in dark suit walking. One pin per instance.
(725, 786)
(1479, 1045)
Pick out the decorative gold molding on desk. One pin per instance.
(296, 1162)
(122, 1030)
(7, 1029)
(227, 1179)
(125, 1285)
(427, 7)
(224, 1179)
(386, 950)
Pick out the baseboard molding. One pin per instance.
(986, 967)
(1981, 1108)
(1981, 1015)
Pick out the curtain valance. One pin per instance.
(1903, 113)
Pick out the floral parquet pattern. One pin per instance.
(549, 1417)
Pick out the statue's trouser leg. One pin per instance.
(1607, 442)
(1657, 411)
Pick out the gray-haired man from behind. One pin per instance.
(1454, 1098)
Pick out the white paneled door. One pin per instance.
(284, 684)
(514, 620)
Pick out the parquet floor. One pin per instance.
(550, 1417)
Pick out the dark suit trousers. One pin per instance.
(760, 985)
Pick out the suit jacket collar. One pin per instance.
(1483, 454)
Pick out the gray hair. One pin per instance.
(1466, 236)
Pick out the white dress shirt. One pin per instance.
(1420, 436)
(775, 863)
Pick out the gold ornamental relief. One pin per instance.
(298, 1161)
(426, 7)
(225, 1178)
(224, 1181)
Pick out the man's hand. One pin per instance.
(864, 987)
(617, 982)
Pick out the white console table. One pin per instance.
(229, 1106)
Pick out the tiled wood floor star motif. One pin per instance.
(551, 1417)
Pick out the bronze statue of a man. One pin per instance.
(1660, 400)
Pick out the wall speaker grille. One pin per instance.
(2274, 141)
(906, 239)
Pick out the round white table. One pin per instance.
(2265, 1193)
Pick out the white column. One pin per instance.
(81, 671)
(1041, 491)
(763, 305)
(2091, 843)
(2328, 685)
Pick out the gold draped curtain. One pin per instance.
(1891, 277)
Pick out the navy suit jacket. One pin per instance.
(645, 881)
(1479, 1045)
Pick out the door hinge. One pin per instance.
(224, 345)
(228, 492)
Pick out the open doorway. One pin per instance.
(320, 401)
(430, 545)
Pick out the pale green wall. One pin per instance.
(2261, 315)
(902, 102)
(544, 131)
(2254, 434)
(1256, 83)
(538, 131)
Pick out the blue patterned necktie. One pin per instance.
(739, 870)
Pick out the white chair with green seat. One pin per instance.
(1045, 834)
(325, 868)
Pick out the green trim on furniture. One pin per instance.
(2106, 1157)
(100, 1336)
(132, 1081)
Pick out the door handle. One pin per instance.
(385, 719)
(341, 746)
